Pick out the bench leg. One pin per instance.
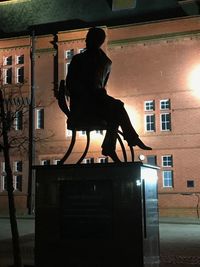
(70, 148)
(122, 146)
(86, 148)
(132, 153)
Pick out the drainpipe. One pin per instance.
(31, 159)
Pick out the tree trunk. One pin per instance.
(9, 176)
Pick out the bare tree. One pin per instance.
(13, 107)
(15, 136)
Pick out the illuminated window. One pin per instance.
(7, 61)
(164, 104)
(4, 182)
(66, 67)
(150, 123)
(82, 133)
(18, 166)
(20, 75)
(88, 160)
(7, 76)
(165, 122)
(69, 54)
(149, 105)
(3, 167)
(56, 161)
(68, 132)
(103, 160)
(17, 182)
(167, 161)
(40, 118)
(81, 50)
(151, 160)
(20, 59)
(167, 178)
(18, 123)
(45, 162)
(99, 132)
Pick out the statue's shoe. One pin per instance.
(139, 143)
(112, 154)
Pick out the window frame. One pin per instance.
(66, 68)
(7, 75)
(165, 101)
(100, 132)
(18, 57)
(150, 123)
(102, 160)
(81, 50)
(189, 185)
(6, 62)
(18, 166)
(167, 123)
(20, 76)
(3, 166)
(18, 121)
(40, 118)
(171, 180)
(88, 160)
(82, 133)
(3, 182)
(16, 181)
(149, 102)
(42, 162)
(56, 161)
(167, 156)
(69, 53)
(154, 157)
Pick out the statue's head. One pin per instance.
(95, 38)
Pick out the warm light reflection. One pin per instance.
(97, 137)
(134, 117)
(194, 80)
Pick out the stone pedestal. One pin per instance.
(97, 215)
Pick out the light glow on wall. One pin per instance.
(194, 80)
(6, 2)
(134, 117)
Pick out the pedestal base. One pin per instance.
(96, 215)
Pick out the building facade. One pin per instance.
(155, 70)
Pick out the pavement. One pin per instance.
(179, 241)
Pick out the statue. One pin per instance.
(86, 81)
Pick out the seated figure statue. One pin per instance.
(86, 80)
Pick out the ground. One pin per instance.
(179, 241)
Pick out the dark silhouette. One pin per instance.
(86, 80)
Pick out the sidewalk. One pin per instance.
(179, 220)
(179, 241)
(26, 227)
